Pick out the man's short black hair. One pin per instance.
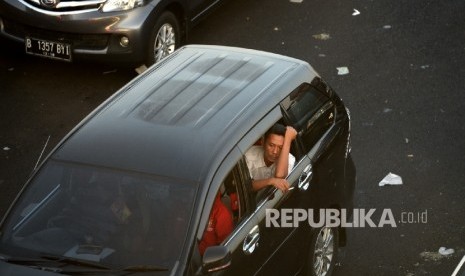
(277, 129)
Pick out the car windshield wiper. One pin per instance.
(51, 258)
(74, 261)
(127, 270)
(99, 268)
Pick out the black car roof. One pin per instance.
(176, 118)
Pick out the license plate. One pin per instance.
(46, 48)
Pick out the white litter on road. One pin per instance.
(342, 71)
(109, 72)
(355, 13)
(141, 69)
(391, 179)
(322, 36)
(6, 148)
(296, 1)
(387, 26)
(446, 252)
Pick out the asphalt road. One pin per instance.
(405, 89)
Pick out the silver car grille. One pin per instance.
(64, 6)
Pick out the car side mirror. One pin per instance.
(216, 258)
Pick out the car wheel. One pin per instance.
(165, 37)
(323, 251)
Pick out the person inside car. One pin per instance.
(271, 162)
(220, 225)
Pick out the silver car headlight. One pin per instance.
(121, 5)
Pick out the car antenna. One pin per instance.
(40, 156)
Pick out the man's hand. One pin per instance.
(290, 134)
(280, 184)
(282, 164)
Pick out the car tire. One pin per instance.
(323, 251)
(165, 37)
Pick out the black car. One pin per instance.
(131, 188)
(124, 31)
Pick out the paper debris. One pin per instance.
(424, 66)
(391, 179)
(342, 71)
(6, 148)
(141, 69)
(296, 1)
(355, 13)
(406, 140)
(387, 26)
(446, 252)
(387, 110)
(276, 28)
(322, 36)
(321, 55)
(109, 72)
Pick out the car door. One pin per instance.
(315, 116)
(243, 240)
(278, 244)
(283, 247)
(261, 249)
(258, 248)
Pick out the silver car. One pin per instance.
(135, 31)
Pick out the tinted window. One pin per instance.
(306, 100)
(113, 217)
(310, 112)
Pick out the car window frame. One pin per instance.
(327, 105)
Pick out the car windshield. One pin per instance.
(116, 218)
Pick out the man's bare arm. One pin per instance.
(279, 183)
(282, 164)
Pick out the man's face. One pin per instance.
(272, 148)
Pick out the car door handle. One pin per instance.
(305, 178)
(251, 241)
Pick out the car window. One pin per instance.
(311, 112)
(227, 211)
(257, 169)
(221, 220)
(231, 196)
(114, 217)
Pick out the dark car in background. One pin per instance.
(128, 31)
(131, 188)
